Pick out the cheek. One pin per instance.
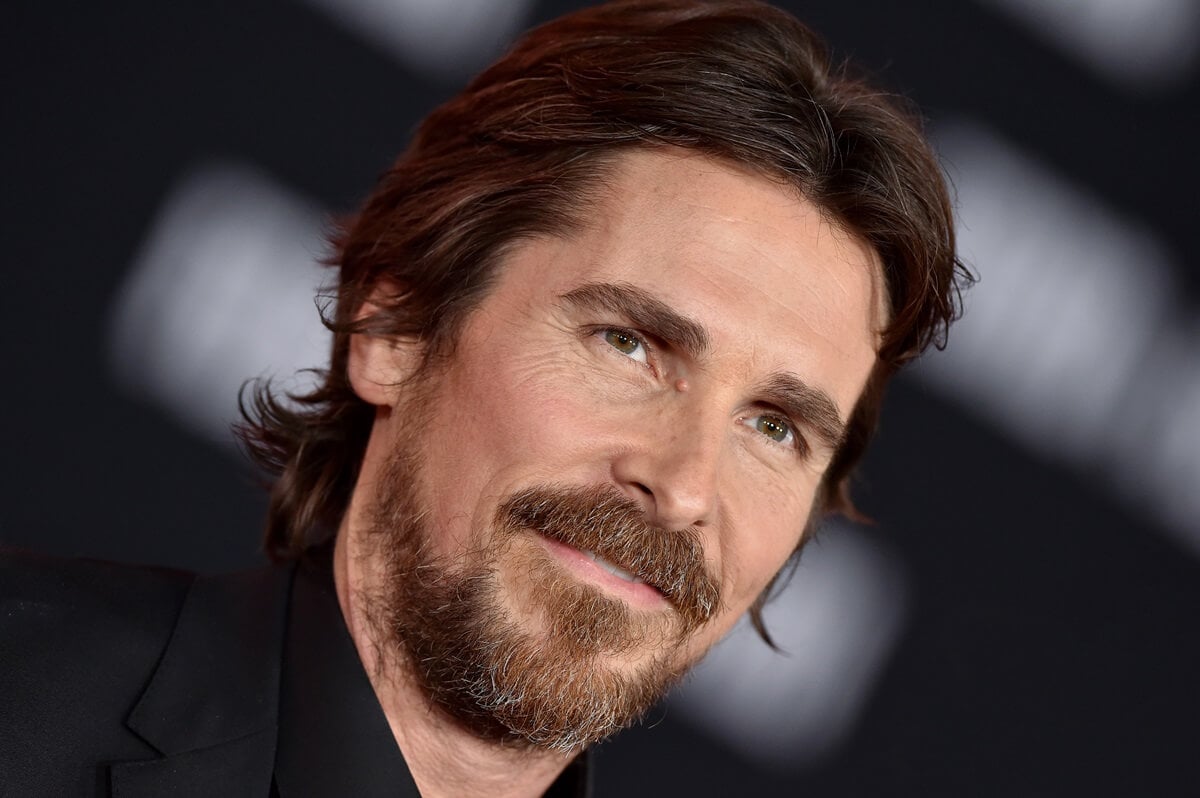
(767, 533)
(519, 418)
(748, 566)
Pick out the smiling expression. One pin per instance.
(696, 349)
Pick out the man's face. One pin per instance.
(685, 363)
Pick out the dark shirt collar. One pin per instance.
(334, 739)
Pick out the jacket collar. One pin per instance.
(211, 707)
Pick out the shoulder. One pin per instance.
(79, 640)
(53, 606)
(29, 580)
(89, 616)
(68, 623)
(75, 600)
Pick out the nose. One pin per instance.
(671, 466)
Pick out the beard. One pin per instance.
(540, 675)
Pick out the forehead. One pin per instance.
(777, 285)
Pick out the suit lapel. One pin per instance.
(212, 705)
(236, 768)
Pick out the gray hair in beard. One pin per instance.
(541, 686)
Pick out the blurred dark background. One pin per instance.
(1022, 619)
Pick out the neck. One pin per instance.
(445, 759)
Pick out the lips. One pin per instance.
(612, 569)
(607, 527)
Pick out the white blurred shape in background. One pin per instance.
(1074, 342)
(223, 290)
(1139, 44)
(443, 38)
(836, 621)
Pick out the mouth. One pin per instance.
(587, 566)
(601, 539)
(612, 569)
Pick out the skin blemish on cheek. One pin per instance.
(681, 385)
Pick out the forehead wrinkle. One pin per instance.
(644, 310)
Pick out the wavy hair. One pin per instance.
(522, 148)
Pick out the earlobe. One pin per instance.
(379, 364)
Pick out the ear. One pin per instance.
(379, 364)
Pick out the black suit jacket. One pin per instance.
(134, 682)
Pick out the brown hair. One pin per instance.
(518, 152)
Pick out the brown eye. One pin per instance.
(627, 344)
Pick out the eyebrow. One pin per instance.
(645, 311)
(807, 405)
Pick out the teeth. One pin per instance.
(612, 569)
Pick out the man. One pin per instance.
(609, 336)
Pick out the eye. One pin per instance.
(626, 343)
(777, 429)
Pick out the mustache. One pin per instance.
(612, 526)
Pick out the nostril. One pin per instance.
(644, 489)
